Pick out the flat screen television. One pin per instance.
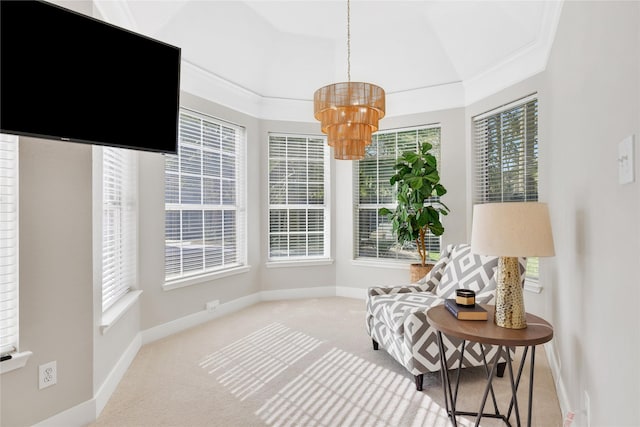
(70, 77)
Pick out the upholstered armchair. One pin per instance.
(396, 317)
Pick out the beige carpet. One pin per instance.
(299, 363)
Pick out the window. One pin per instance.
(298, 197)
(119, 223)
(374, 237)
(506, 157)
(8, 244)
(204, 198)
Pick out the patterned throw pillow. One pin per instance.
(469, 271)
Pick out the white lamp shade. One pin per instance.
(512, 229)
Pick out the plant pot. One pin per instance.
(418, 271)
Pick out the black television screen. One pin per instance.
(67, 76)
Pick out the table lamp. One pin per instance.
(511, 230)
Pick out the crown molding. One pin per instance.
(521, 65)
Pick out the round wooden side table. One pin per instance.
(538, 331)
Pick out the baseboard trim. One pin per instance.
(298, 293)
(110, 384)
(80, 415)
(348, 292)
(173, 327)
(561, 390)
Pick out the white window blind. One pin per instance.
(506, 157)
(8, 243)
(506, 154)
(374, 237)
(298, 200)
(119, 223)
(204, 198)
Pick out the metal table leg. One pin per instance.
(514, 390)
(533, 364)
(488, 386)
(451, 395)
(446, 385)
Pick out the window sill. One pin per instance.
(117, 310)
(201, 278)
(299, 263)
(397, 265)
(17, 361)
(532, 286)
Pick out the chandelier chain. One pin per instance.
(349, 40)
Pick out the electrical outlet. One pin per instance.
(48, 374)
(212, 305)
(626, 168)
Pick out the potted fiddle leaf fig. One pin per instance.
(419, 207)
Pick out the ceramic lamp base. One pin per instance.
(509, 312)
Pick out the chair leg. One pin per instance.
(375, 346)
(419, 381)
(500, 371)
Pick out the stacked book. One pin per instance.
(461, 312)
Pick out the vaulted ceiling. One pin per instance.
(266, 58)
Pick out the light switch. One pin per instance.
(626, 173)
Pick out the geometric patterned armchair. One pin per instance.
(396, 316)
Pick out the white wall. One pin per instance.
(592, 103)
(56, 294)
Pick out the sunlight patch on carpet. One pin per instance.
(246, 365)
(341, 389)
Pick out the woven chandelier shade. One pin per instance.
(348, 113)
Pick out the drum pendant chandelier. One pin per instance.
(349, 111)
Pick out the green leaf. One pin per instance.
(433, 177)
(415, 182)
(436, 229)
(411, 157)
(431, 161)
(440, 190)
(384, 211)
(433, 214)
(424, 218)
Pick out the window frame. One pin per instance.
(480, 171)
(9, 229)
(119, 197)
(239, 207)
(412, 256)
(325, 207)
(11, 170)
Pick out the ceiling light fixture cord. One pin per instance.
(349, 40)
